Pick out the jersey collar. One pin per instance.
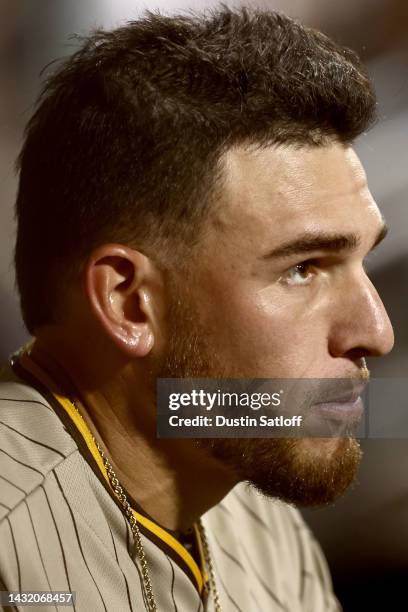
(26, 368)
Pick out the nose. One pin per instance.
(361, 326)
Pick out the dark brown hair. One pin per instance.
(125, 142)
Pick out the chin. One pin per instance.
(317, 471)
(304, 472)
(325, 450)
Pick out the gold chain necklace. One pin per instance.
(127, 509)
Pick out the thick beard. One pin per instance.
(305, 472)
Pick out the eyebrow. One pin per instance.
(333, 243)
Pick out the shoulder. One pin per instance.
(33, 441)
(253, 507)
(275, 536)
(266, 519)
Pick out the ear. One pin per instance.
(117, 283)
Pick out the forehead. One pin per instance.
(277, 191)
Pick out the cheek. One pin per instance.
(269, 334)
(276, 329)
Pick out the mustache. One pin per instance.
(305, 391)
(345, 389)
(341, 390)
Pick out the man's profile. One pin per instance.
(189, 205)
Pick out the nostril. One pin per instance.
(357, 353)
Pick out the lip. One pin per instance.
(337, 410)
(348, 396)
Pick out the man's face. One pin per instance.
(277, 289)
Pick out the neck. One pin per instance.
(174, 481)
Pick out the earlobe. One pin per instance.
(139, 343)
(115, 283)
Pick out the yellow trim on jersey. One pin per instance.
(150, 525)
(85, 432)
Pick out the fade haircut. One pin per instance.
(126, 141)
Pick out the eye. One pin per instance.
(301, 274)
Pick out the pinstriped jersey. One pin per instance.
(62, 529)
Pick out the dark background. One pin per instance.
(365, 534)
